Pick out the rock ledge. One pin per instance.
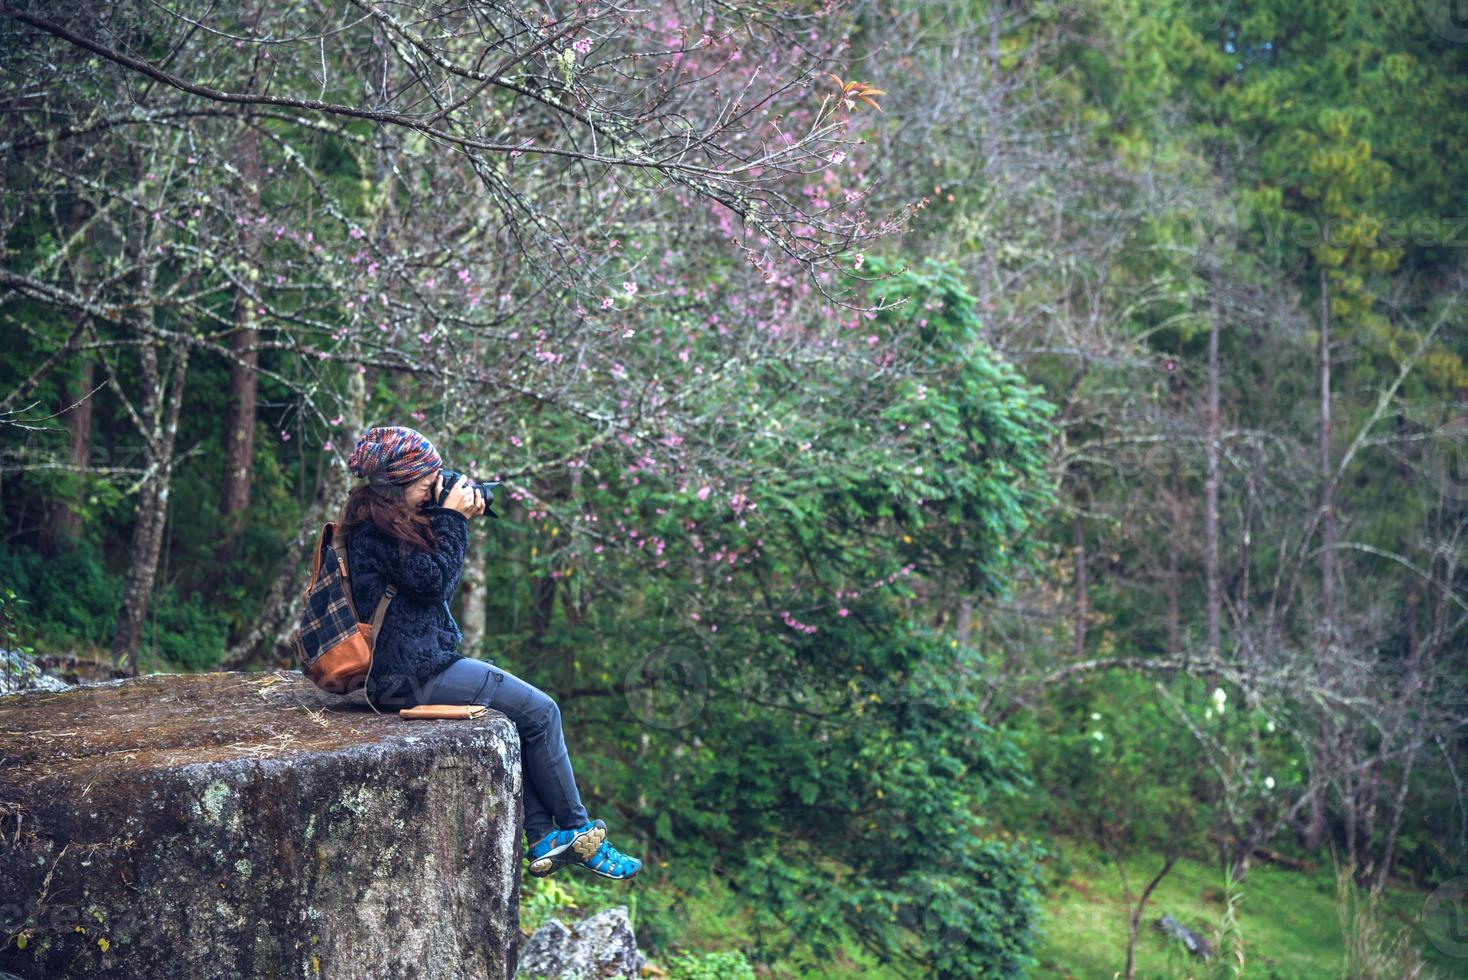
(246, 824)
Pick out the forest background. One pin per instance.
(937, 439)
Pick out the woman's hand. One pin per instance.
(463, 499)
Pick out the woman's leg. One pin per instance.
(549, 784)
(546, 763)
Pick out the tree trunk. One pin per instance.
(542, 609)
(63, 524)
(991, 95)
(239, 448)
(965, 620)
(472, 621)
(152, 511)
(1213, 598)
(1135, 912)
(1175, 526)
(282, 607)
(1315, 826)
(1246, 550)
(1079, 536)
(1327, 503)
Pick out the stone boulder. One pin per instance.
(1192, 941)
(599, 946)
(19, 672)
(242, 824)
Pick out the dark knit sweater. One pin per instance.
(418, 638)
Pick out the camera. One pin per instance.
(482, 491)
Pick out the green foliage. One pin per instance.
(982, 428)
(1228, 941)
(728, 965)
(806, 731)
(542, 898)
(187, 633)
(13, 630)
(73, 603)
(73, 600)
(1110, 751)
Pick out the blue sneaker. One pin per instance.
(561, 847)
(611, 863)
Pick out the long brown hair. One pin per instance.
(385, 507)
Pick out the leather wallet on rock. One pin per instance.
(444, 711)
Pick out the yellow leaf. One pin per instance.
(103, 943)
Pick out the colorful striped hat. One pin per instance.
(393, 454)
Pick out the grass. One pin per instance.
(1288, 920)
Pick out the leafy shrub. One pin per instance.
(72, 600)
(723, 965)
(188, 634)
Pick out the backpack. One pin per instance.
(333, 647)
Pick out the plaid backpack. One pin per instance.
(332, 646)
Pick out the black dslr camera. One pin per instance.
(482, 491)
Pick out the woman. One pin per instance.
(397, 535)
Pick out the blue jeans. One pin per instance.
(549, 785)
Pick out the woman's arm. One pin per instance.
(431, 575)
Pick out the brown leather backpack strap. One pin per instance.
(316, 559)
(339, 548)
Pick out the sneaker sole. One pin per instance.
(582, 847)
(603, 874)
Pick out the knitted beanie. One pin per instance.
(393, 454)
